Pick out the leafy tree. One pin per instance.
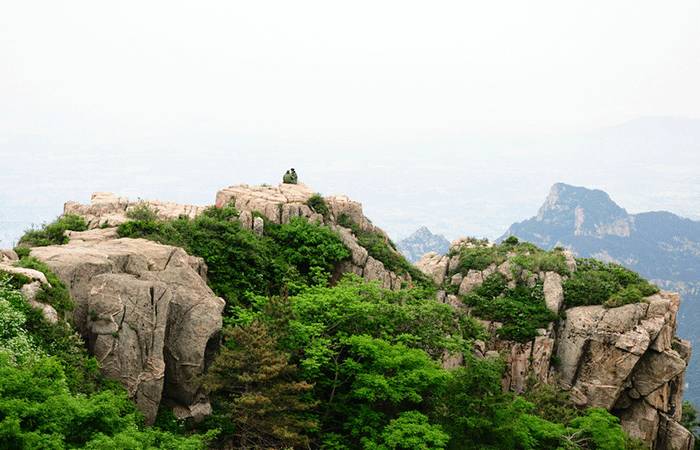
(598, 429)
(258, 392)
(312, 249)
(58, 340)
(412, 431)
(691, 421)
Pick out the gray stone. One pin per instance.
(144, 310)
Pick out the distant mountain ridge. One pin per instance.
(660, 245)
(420, 242)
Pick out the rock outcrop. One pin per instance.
(278, 204)
(625, 359)
(145, 311)
(107, 209)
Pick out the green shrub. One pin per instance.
(609, 284)
(140, 228)
(37, 410)
(511, 240)
(142, 212)
(22, 252)
(479, 258)
(53, 233)
(541, 261)
(318, 204)
(382, 249)
(522, 310)
(314, 250)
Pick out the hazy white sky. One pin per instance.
(131, 69)
(456, 115)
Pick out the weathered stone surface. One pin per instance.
(657, 369)
(641, 421)
(625, 359)
(278, 203)
(145, 311)
(553, 291)
(258, 226)
(672, 436)
(8, 255)
(245, 218)
(621, 358)
(21, 271)
(434, 266)
(473, 279)
(570, 260)
(108, 209)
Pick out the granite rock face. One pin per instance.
(107, 209)
(144, 310)
(625, 359)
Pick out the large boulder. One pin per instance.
(626, 359)
(145, 311)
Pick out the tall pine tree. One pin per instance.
(257, 388)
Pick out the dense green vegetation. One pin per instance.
(356, 366)
(609, 284)
(53, 233)
(523, 257)
(521, 306)
(305, 363)
(521, 309)
(241, 263)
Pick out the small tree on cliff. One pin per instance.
(257, 388)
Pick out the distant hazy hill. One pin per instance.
(659, 245)
(421, 242)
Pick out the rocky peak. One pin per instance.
(422, 241)
(278, 204)
(587, 212)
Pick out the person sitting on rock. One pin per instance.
(290, 177)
